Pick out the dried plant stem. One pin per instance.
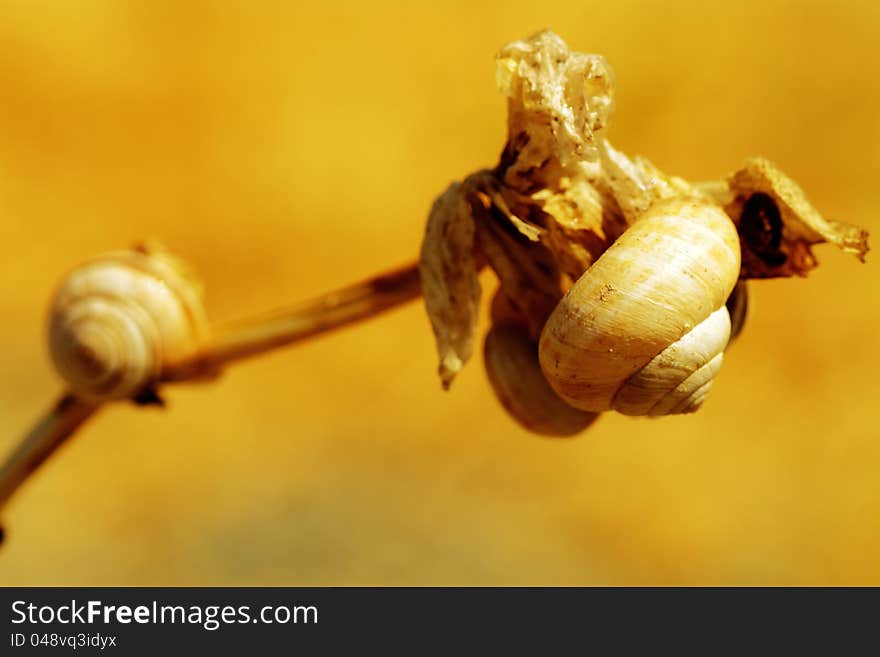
(331, 311)
(235, 342)
(53, 429)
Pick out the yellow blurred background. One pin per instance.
(286, 149)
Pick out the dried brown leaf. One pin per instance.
(559, 102)
(448, 269)
(777, 223)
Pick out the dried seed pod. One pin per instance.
(117, 320)
(643, 330)
(511, 360)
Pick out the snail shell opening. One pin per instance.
(117, 320)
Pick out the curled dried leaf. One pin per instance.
(777, 224)
(636, 183)
(525, 267)
(559, 102)
(549, 213)
(448, 269)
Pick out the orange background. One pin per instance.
(285, 150)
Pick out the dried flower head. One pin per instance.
(561, 195)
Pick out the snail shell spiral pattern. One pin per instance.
(115, 321)
(643, 330)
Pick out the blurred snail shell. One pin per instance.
(644, 329)
(511, 360)
(115, 321)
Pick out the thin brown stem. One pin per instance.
(52, 430)
(232, 343)
(326, 313)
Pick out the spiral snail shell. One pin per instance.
(510, 356)
(115, 321)
(643, 330)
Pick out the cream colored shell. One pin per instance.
(117, 320)
(644, 329)
(511, 360)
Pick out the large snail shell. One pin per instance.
(117, 320)
(643, 330)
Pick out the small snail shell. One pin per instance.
(644, 329)
(511, 360)
(117, 320)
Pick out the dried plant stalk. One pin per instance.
(260, 335)
(233, 343)
(59, 423)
